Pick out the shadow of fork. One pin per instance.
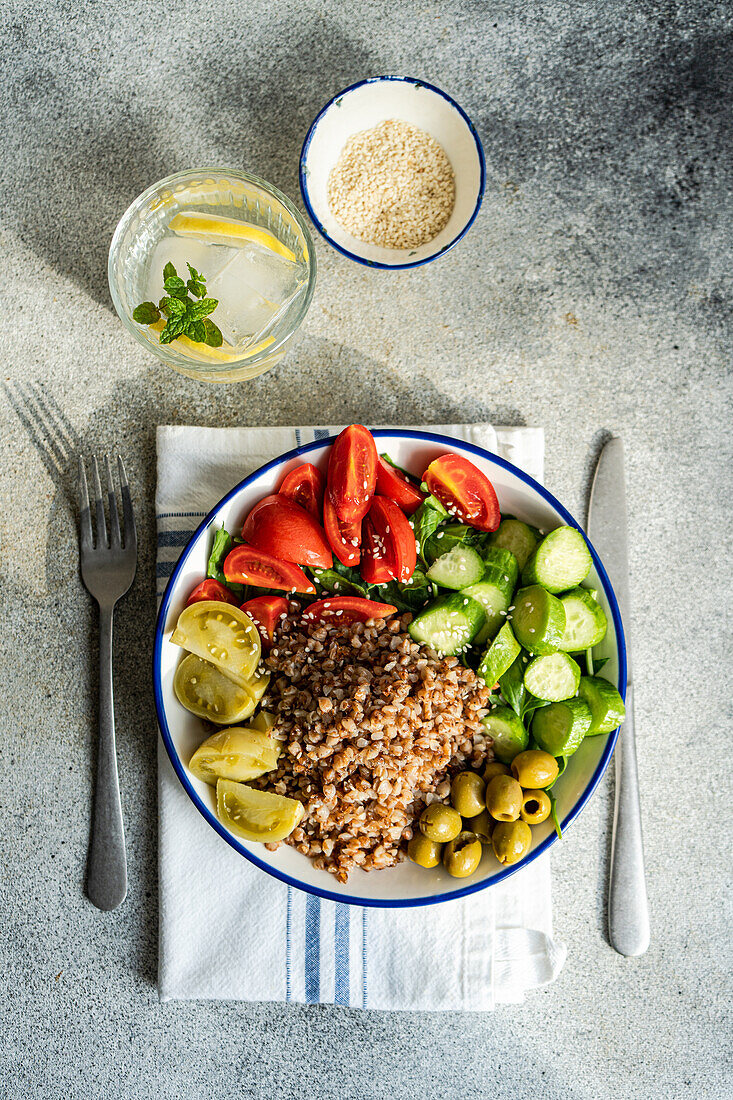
(52, 434)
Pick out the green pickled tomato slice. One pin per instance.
(222, 635)
(204, 690)
(256, 815)
(238, 753)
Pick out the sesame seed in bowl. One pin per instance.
(392, 172)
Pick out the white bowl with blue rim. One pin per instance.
(405, 884)
(362, 107)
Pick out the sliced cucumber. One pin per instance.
(495, 589)
(585, 621)
(459, 568)
(561, 561)
(507, 732)
(538, 620)
(560, 727)
(449, 624)
(554, 677)
(448, 536)
(499, 656)
(520, 538)
(606, 705)
(504, 562)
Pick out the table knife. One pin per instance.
(628, 912)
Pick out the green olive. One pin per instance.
(504, 798)
(482, 825)
(535, 807)
(423, 851)
(467, 793)
(534, 768)
(463, 855)
(495, 767)
(440, 823)
(511, 840)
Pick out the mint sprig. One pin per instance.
(185, 315)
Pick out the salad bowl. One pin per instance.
(406, 884)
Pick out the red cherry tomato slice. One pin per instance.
(344, 538)
(284, 529)
(375, 568)
(464, 491)
(352, 473)
(396, 537)
(348, 609)
(211, 590)
(305, 486)
(247, 565)
(266, 612)
(392, 483)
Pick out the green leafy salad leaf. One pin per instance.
(220, 547)
(425, 521)
(185, 316)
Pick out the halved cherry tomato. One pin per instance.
(247, 565)
(392, 483)
(211, 590)
(464, 491)
(305, 486)
(352, 473)
(396, 537)
(345, 538)
(266, 612)
(279, 527)
(348, 609)
(374, 568)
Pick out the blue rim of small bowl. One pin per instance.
(330, 895)
(303, 176)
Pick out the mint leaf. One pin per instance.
(166, 335)
(203, 308)
(146, 313)
(213, 338)
(173, 283)
(197, 283)
(176, 308)
(197, 332)
(169, 272)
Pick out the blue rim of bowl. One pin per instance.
(329, 895)
(303, 176)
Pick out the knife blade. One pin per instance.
(628, 909)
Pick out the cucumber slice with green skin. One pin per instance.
(560, 727)
(448, 536)
(504, 562)
(585, 621)
(561, 561)
(555, 677)
(606, 705)
(518, 537)
(499, 656)
(459, 568)
(507, 733)
(538, 620)
(449, 624)
(493, 594)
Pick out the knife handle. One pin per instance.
(628, 911)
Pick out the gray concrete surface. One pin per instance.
(592, 296)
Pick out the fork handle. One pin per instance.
(107, 869)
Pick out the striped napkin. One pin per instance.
(229, 931)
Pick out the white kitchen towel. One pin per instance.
(229, 931)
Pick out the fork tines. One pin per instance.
(117, 538)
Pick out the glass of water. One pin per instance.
(249, 243)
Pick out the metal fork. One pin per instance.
(108, 570)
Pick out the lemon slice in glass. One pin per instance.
(239, 753)
(256, 815)
(213, 229)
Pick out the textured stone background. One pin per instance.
(592, 296)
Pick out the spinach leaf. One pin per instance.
(410, 596)
(553, 814)
(451, 535)
(220, 547)
(342, 580)
(425, 521)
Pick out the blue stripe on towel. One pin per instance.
(341, 955)
(320, 433)
(164, 568)
(312, 949)
(363, 958)
(173, 538)
(288, 939)
(298, 437)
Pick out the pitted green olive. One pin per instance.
(423, 851)
(534, 768)
(495, 767)
(535, 807)
(511, 840)
(467, 793)
(504, 798)
(440, 823)
(482, 825)
(462, 856)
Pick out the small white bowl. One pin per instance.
(365, 105)
(407, 884)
